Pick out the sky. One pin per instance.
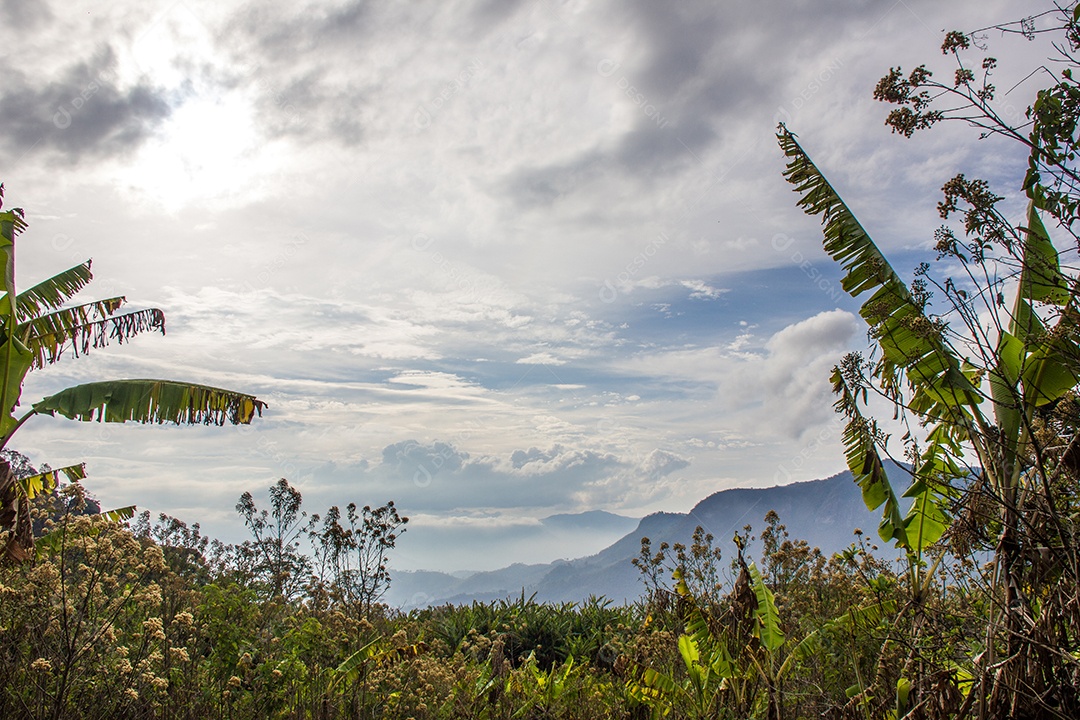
(492, 260)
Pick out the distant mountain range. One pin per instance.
(825, 513)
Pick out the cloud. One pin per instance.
(558, 459)
(540, 358)
(700, 290)
(25, 16)
(84, 113)
(440, 478)
(659, 463)
(767, 387)
(410, 459)
(795, 376)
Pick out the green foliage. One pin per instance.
(735, 657)
(39, 328)
(274, 557)
(158, 621)
(768, 619)
(151, 401)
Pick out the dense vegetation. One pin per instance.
(152, 619)
(979, 618)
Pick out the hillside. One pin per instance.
(824, 512)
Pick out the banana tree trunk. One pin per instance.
(14, 518)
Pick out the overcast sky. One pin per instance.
(493, 260)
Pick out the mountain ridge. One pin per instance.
(824, 512)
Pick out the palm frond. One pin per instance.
(152, 401)
(51, 294)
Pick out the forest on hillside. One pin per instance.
(111, 614)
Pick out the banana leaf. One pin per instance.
(151, 401)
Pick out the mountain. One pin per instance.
(825, 513)
(563, 532)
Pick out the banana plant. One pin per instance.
(1032, 365)
(48, 481)
(913, 347)
(38, 327)
(539, 688)
(375, 652)
(353, 670)
(982, 407)
(712, 670)
(708, 668)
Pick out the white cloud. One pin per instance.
(703, 291)
(540, 358)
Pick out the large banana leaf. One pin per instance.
(15, 358)
(768, 618)
(12, 223)
(910, 341)
(376, 653)
(15, 362)
(151, 401)
(931, 490)
(913, 346)
(1041, 279)
(34, 485)
(927, 519)
(18, 519)
(691, 656)
(652, 687)
(1035, 365)
(51, 294)
(858, 620)
(15, 496)
(860, 451)
(78, 329)
(1048, 360)
(1005, 381)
